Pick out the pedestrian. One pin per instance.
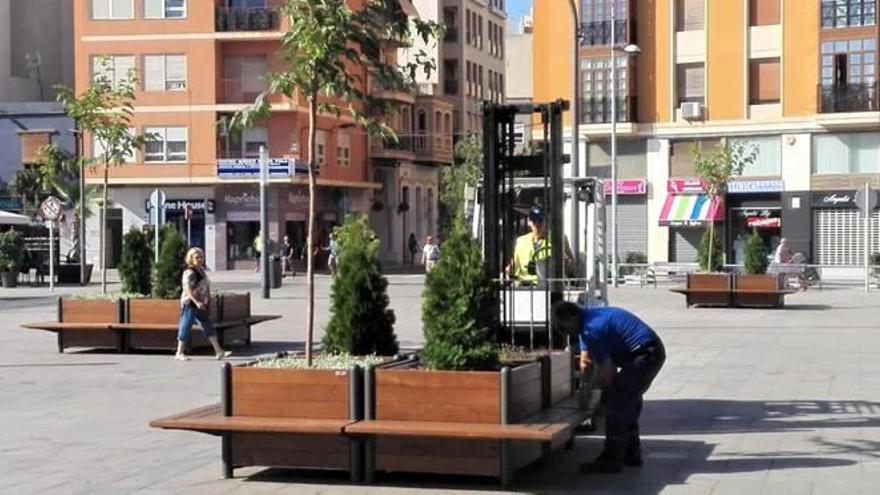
(783, 253)
(258, 248)
(195, 303)
(287, 253)
(430, 254)
(333, 247)
(413, 245)
(626, 354)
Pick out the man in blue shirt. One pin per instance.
(627, 355)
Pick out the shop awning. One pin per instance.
(9, 218)
(690, 209)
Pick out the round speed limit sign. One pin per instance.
(51, 208)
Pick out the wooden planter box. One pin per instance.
(762, 291)
(559, 366)
(162, 313)
(279, 394)
(709, 289)
(90, 311)
(492, 397)
(235, 307)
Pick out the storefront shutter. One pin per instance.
(839, 237)
(685, 244)
(632, 223)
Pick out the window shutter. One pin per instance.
(765, 79)
(123, 9)
(100, 9)
(154, 73)
(175, 72)
(693, 81)
(177, 134)
(121, 66)
(256, 135)
(154, 9)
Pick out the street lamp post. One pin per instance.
(628, 50)
(576, 119)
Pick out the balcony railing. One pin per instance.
(403, 144)
(240, 90)
(598, 110)
(599, 32)
(450, 87)
(451, 35)
(849, 98)
(246, 19)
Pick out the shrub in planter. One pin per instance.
(756, 256)
(457, 308)
(169, 269)
(703, 255)
(136, 264)
(361, 322)
(11, 256)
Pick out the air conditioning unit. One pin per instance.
(691, 110)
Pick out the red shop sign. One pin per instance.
(679, 186)
(628, 187)
(764, 222)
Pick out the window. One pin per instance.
(98, 149)
(849, 62)
(343, 149)
(689, 15)
(763, 12)
(254, 139)
(847, 13)
(113, 69)
(164, 9)
(597, 90)
(690, 79)
(681, 160)
(769, 159)
(468, 24)
(480, 31)
(320, 148)
(164, 72)
(112, 9)
(846, 153)
(243, 77)
(764, 81)
(165, 144)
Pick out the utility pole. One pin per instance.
(264, 221)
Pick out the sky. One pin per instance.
(516, 7)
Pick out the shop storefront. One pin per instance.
(687, 212)
(190, 218)
(632, 215)
(753, 206)
(839, 229)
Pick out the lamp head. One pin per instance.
(632, 49)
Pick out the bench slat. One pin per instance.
(209, 419)
(761, 291)
(54, 326)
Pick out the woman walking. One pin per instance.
(195, 300)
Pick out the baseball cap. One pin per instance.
(536, 213)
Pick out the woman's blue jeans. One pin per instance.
(189, 314)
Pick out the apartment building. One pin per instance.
(518, 67)
(198, 62)
(795, 79)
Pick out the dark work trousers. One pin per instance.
(623, 399)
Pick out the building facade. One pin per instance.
(518, 68)
(794, 79)
(198, 62)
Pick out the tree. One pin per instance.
(464, 172)
(12, 254)
(136, 263)
(716, 168)
(756, 256)
(332, 55)
(458, 305)
(169, 269)
(710, 260)
(361, 322)
(104, 110)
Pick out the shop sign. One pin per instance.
(627, 187)
(679, 186)
(834, 199)
(9, 203)
(755, 186)
(250, 168)
(195, 205)
(243, 200)
(764, 222)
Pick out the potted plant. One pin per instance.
(755, 287)
(11, 257)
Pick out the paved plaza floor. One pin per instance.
(750, 401)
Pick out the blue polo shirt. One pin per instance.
(613, 333)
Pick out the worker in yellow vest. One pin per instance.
(532, 248)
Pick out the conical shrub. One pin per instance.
(169, 269)
(136, 263)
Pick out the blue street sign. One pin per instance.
(250, 167)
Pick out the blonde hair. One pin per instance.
(189, 259)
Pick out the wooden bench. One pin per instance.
(729, 290)
(707, 290)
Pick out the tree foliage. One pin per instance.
(466, 171)
(335, 57)
(715, 168)
(710, 262)
(136, 263)
(169, 269)
(457, 308)
(360, 321)
(756, 255)
(12, 253)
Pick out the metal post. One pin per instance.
(189, 230)
(613, 222)
(156, 219)
(264, 221)
(51, 255)
(867, 214)
(77, 144)
(575, 129)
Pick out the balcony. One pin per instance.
(433, 148)
(404, 95)
(232, 19)
(450, 87)
(849, 98)
(239, 90)
(598, 110)
(451, 35)
(402, 149)
(599, 32)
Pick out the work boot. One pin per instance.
(633, 455)
(606, 463)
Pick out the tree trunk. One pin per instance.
(310, 244)
(711, 245)
(102, 237)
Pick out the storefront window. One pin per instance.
(769, 159)
(851, 153)
(767, 222)
(682, 161)
(240, 240)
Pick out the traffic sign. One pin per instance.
(51, 208)
(157, 207)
